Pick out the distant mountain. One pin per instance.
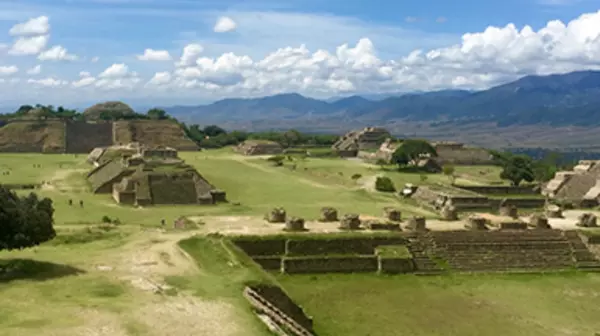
(556, 100)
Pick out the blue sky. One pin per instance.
(381, 38)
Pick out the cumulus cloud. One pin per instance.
(478, 60)
(29, 45)
(35, 70)
(116, 70)
(33, 27)
(48, 82)
(191, 53)
(160, 78)
(154, 55)
(8, 70)
(224, 24)
(56, 53)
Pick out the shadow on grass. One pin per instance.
(28, 269)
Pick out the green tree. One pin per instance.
(449, 170)
(384, 184)
(213, 130)
(518, 168)
(24, 221)
(157, 114)
(410, 150)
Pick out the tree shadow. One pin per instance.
(29, 269)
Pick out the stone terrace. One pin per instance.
(509, 251)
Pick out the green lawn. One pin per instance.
(362, 305)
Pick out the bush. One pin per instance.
(384, 184)
(356, 176)
(106, 219)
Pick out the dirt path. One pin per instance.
(144, 263)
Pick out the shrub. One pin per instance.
(106, 219)
(356, 176)
(384, 184)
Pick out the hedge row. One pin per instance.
(338, 264)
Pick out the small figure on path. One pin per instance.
(70, 202)
(81, 204)
(162, 222)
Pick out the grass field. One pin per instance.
(132, 279)
(363, 305)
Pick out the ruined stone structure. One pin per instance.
(447, 153)
(56, 136)
(350, 222)
(277, 215)
(392, 214)
(138, 180)
(580, 186)
(476, 223)
(366, 139)
(417, 223)
(587, 220)
(259, 147)
(458, 154)
(539, 221)
(295, 224)
(328, 214)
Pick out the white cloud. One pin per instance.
(191, 53)
(86, 80)
(35, 70)
(48, 82)
(33, 27)
(154, 55)
(8, 70)
(160, 78)
(478, 60)
(56, 53)
(117, 70)
(95, 59)
(224, 24)
(29, 45)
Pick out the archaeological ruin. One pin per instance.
(369, 138)
(581, 186)
(447, 153)
(259, 147)
(151, 176)
(27, 135)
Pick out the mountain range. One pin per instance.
(571, 99)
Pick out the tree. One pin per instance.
(449, 170)
(213, 130)
(24, 221)
(518, 168)
(410, 150)
(157, 114)
(384, 184)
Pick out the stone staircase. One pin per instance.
(503, 251)
(583, 258)
(424, 265)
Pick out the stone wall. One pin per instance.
(330, 264)
(463, 156)
(499, 190)
(525, 203)
(275, 303)
(83, 137)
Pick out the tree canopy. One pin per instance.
(518, 168)
(411, 149)
(24, 221)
